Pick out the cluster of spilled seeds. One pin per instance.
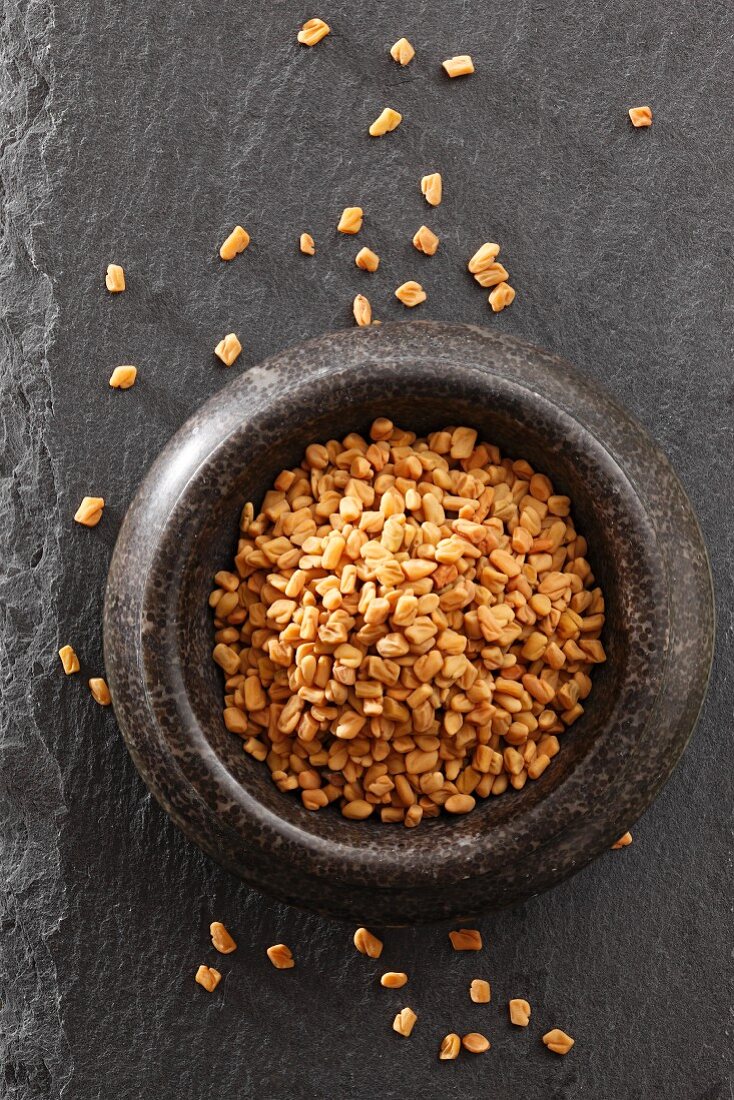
(410, 623)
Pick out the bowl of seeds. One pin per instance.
(407, 623)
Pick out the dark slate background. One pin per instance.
(140, 134)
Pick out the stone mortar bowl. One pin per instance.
(645, 548)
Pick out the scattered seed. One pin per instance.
(235, 243)
(367, 260)
(368, 944)
(402, 52)
(411, 294)
(466, 939)
(208, 977)
(228, 349)
(483, 258)
(557, 1041)
(100, 691)
(480, 992)
(312, 31)
(122, 378)
(425, 240)
(404, 1022)
(432, 188)
(388, 120)
(492, 275)
(351, 219)
(450, 1047)
(281, 956)
(475, 1042)
(502, 295)
(519, 1012)
(306, 244)
(69, 659)
(221, 938)
(115, 279)
(622, 842)
(89, 512)
(362, 310)
(640, 116)
(461, 65)
(393, 979)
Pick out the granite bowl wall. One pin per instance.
(644, 546)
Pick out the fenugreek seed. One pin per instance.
(362, 311)
(367, 944)
(122, 378)
(475, 1042)
(388, 120)
(351, 220)
(208, 977)
(519, 1012)
(228, 349)
(367, 260)
(503, 295)
(479, 991)
(235, 243)
(402, 52)
(404, 1022)
(426, 241)
(432, 188)
(459, 804)
(281, 956)
(69, 659)
(100, 691)
(557, 1041)
(306, 244)
(461, 65)
(450, 1047)
(393, 979)
(622, 842)
(640, 116)
(89, 512)
(312, 31)
(221, 938)
(492, 275)
(114, 279)
(411, 294)
(483, 258)
(466, 939)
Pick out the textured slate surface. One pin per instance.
(141, 134)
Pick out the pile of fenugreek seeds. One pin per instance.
(410, 623)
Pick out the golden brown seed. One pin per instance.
(475, 1042)
(492, 275)
(450, 1047)
(358, 809)
(519, 1012)
(208, 977)
(426, 241)
(388, 120)
(362, 311)
(432, 188)
(402, 52)
(461, 65)
(503, 295)
(306, 244)
(393, 979)
(466, 939)
(480, 992)
(100, 691)
(235, 243)
(115, 278)
(622, 842)
(89, 512)
(69, 659)
(459, 804)
(640, 116)
(411, 294)
(367, 260)
(404, 1022)
(228, 349)
(122, 378)
(557, 1041)
(483, 258)
(281, 956)
(351, 220)
(367, 944)
(312, 31)
(221, 938)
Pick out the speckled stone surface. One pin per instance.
(141, 133)
(645, 548)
